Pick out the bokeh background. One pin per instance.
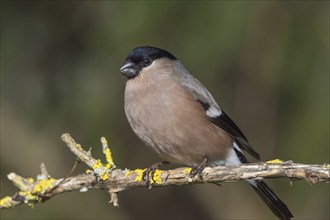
(266, 63)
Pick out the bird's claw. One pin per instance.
(198, 169)
(148, 174)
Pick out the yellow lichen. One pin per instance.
(186, 171)
(28, 196)
(100, 170)
(274, 161)
(30, 180)
(128, 172)
(31, 195)
(78, 146)
(108, 156)
(104, 175)
(88, 171)
(108, 166)
(6, 202)
(139, 173)
(97, 165)
(43, 185)
(156, 177)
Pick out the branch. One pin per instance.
(113, 180)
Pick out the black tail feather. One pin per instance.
(273, 202)
(266, 194)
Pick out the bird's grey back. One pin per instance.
(194, 86)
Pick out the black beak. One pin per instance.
(129, 69)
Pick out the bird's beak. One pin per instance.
(129, 69)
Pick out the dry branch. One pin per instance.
(107, 177)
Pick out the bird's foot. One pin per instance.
(148, 174)
(196, 170)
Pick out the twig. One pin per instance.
(105, 177)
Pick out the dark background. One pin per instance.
(266, 63)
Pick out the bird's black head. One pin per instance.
(142, 57)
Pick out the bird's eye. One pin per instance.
(147, 62)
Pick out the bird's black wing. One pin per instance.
(224, 122)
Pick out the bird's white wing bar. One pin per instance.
(213, 112)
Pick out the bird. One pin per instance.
(178, 118)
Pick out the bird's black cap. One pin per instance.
(150, 52)
(141, 57)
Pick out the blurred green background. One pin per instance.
(266, 63)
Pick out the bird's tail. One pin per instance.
(265, 193)
(270, 198)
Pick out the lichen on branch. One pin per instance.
(107, 177)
